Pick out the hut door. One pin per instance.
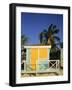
(34, 58)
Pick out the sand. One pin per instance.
(58, 73)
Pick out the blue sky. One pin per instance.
(34, 23)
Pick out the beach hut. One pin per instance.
(37, 59)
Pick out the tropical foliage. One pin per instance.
(43, 37)
(24, 40)
(50, 37)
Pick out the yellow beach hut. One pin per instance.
(36, 58)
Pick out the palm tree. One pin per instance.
(24, 40)
(53, 39)
(48, 37)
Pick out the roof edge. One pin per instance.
(37, 46)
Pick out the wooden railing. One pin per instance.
(52, 64)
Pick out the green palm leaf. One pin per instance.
(57, 38)
(55, 31)
(24, 39)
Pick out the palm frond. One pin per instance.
(57, 38)
(54, 26)
(49, 28)
(40, 37)
(55, 31)
(24, 39)
(43, 36)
